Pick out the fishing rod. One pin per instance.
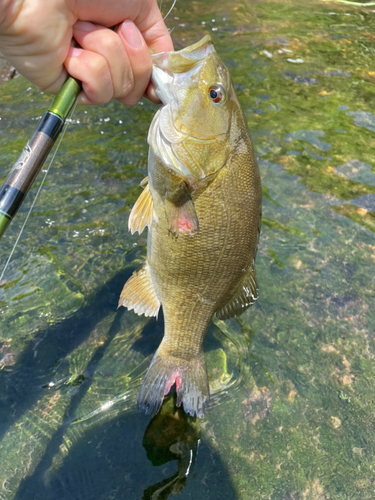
(34, 154)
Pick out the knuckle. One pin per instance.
(130, 101)
(110, 42)
(99, 91)
(48, 86)
(143, 65)
(127, 85)
(97, 66)
(94, 96)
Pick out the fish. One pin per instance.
(201, 203)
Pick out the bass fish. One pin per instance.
(202, 205)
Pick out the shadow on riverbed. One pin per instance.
(109, 462)
(22, 387)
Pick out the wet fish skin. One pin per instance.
(203, 206)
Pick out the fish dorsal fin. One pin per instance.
(245, 294)
(142, 213)
(139, 294)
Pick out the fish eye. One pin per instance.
(216, 93)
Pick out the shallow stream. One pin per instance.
(293, 410)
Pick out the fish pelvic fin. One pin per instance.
(191, 384)
(139, 294)
(142, 213)
(245, 294)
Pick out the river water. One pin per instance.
(293, 407)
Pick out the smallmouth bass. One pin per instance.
(202, 205)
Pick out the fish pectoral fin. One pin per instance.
(142, 213)
(180, 211)
(245, 294)
(139, 294)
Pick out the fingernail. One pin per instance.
(74, 52)
(84, 26)
(131, 34)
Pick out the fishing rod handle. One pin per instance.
(27, 167)
(35, 153)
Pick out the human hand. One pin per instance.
(36, 36)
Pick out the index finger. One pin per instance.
(158, 39)
(145, 14)
(155, 33)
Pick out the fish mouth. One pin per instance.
(166, 65)
(162, 80)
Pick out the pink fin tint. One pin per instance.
(191, 384)
(185, 226)
(175, 377)
(183, 218)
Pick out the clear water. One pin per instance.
(292, 415)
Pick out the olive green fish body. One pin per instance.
(195, 275)
(203, 236)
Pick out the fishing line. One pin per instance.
(348, 2)
(170, 10)
(38, 192)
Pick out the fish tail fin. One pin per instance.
(191, 384)
(194, 390)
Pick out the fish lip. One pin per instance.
(191, 51)
(162, 80)
(162, 77)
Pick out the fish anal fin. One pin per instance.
(245, 294)
(139, 295)
(142, 212)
